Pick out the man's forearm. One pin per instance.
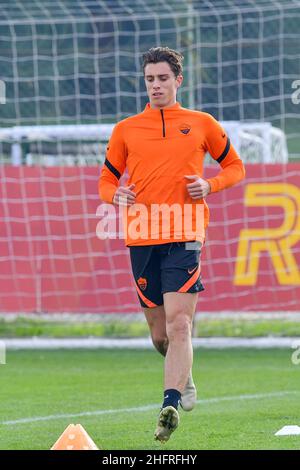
(230, 175)
(106, 190)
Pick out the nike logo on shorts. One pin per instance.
(190, 271)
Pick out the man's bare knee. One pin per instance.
(156, 318)
(160, 343)
(179, 327)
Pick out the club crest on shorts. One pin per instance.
(142, 282)
(184, 128)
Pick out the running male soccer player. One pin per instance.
(163, 149)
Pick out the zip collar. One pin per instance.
(163, 122)
(161, 113)
(156, 111)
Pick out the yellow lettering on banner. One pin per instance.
(276, 241)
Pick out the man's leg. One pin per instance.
(156, 319)
(179, 308)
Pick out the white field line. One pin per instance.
(144, 343)
(139, 409)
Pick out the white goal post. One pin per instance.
(256, 142)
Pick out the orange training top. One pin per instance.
(158, 147)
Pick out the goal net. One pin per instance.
(70, 70)
(77, 62)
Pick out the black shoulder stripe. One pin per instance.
(112, 169)
(225, 151)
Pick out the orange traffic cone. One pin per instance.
(74, 437)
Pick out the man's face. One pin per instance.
(161, 84)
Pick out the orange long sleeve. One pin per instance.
(233, 169)
(159, 147)
(114, 165)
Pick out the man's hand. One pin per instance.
(124, 196)
(199, 188)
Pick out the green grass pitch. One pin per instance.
(245, 397)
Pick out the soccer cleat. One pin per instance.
(189, 395)
(168, 421)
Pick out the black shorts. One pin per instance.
(170, 267)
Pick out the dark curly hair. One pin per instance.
(164, 54)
